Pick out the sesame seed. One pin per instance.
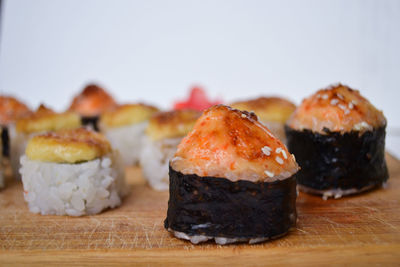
(325, 96)
(270, 174)
(354, 102)
(280, 150)
(334, 101)
(279, 160)
(341, 106)
(346, 112)
(340, 96)
(362, 126)
(266, 150)
(351, 105)
(244, 116)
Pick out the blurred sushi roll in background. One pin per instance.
(232, 181)
(11, 109)
(91, 103)
(338, 138)
(124, 127)
(71, 172)
(271, 111)
(42, 120)
(162, 136)
(2, 180)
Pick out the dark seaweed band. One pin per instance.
(218, 207)
(5, 141)
(334, 160)
(91, 121)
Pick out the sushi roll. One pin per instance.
(271, 111)
(11, 109)
(90, 103)
(71, 172)
(42, 120)
(338, 138)
(124, 127)
(232, 181)
(2, 182)
(162, 136)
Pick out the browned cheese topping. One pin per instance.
(68, 146)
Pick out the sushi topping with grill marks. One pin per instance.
(68, 146)
(171, 124)
(272, 109)
(127, 114)
(338, 109)
(225, 144)
(44, 119)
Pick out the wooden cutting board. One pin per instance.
(361, 230)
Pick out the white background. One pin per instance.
(155, 50)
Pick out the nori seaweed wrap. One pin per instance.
(5, 141)
(232, 181)
(91, 121)
(338, 139)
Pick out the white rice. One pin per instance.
(127, 140)
(72, 189)
(154, 160)
(196, 239)
(334, 192)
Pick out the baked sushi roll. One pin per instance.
(232, 181)
(42, 120)
(2, 180)
(338, 138)
(71, 172)
(11, 109)
(124, 127)
(271, 111)
(162, 136)
(90, 103)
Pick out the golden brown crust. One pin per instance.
(171, 124)
(92, 101)
(273, 109)
(229, 143)
(45, 119)
(127, 114)
(11, 109)
(337, 108)
(68, 146)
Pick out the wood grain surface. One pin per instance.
(363, 229)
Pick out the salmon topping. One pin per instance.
(338, 108)
(92, 101)
(11, 109)
(232, 144)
